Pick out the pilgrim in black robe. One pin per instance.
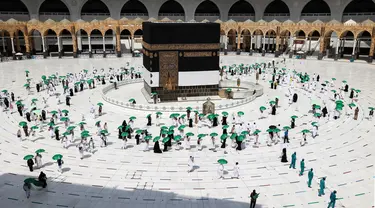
(351, 96)
(67, 100)
(224, 121)
(295, 98)
(273, 110)
(284, 158)
(149, 121)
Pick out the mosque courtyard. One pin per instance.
(343, 151)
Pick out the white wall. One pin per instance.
(198, 78)
(147, 78)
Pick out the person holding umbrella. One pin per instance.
(19, 134)
(100, 108)
(30, 162)
(191, 164)
(38, 159)
(27, 187)
(220, 170)
(253, 199)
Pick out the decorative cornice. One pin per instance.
(167, 47)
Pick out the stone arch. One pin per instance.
(241, 10)
(207, 10)
(138, 32)
(363, 37)
(316, 6)
(246, 40)
(258, 40)
(284, 40)
(6, 49)
(171, 9)
(66, 37)
(314, 33)
(132, 7)
(19, 41)
(94, 9)
(270, 40)
(110, 41)
(125, 37)
(277, 7)
(359, 6)
(232, 40)
(53, 9)
(300, 34)
(35, 37)
(50, 37)
(347, 33)
(14, 8)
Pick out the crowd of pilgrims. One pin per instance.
(233, 126)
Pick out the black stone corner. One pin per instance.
(28, 55)
(320, 56)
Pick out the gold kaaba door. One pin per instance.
(168, 69)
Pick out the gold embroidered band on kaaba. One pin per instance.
(160, 47)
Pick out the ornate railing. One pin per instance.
(155, 107)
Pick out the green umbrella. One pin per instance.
(352, 105)
(81, 123)
(228, 90)
(358, 91)
(317, 114)
(334, 91)
(270, 130)
(189, 134)
(166, 139)
(213, 134)
(156, 139)
(37, 112)
(240, 113)
(64, 119)
(27, 71)
(201, 115)
(139, 131)
(159, 113)
(44, 77)
(164, 131)
(201, 135)
(256, 132)
(120, 127)
(23, 123)
(181, 127)
(133, 118)
(334, 79)
(70, 128)
(50, 124)
(26, 85)
(314, 123)
(57, 156)
(124, 134)
(34, 127)
(211, 116)
(339, 101)
(272, 102)
(223, 136)
(196, 112)
(30, 180)
(53, 112)
(270, 81)
(317, 107)
(225, 127)
(183, 116)
(4, 91)
(27, 157)
(131, 100)
(286, 127)
(338, 108)
(164, 127)
(344, 81)
(305, 131)
(222, 161)
(244, 132)
(97, 123)
(104, 131)
(68, 133)
(34, 100)
(233, 136)
(224, 113)
(148, 137)
(85, 132)
(262, 108)
(371, 108)
(294, 117)
(170, 132)
(241, 138)
(177, 138)
(100, 104)
(189, 108)
(40, 151)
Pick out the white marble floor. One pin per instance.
(113, 177)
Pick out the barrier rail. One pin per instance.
(155, 107)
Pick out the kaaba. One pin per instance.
(181, 59)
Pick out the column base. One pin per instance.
(263, 52)
(238, 52)
(336, 57)
(28, 55)
(251, 53)
(320, 56)
(45, 54)
(14, 56)
(225, 51)
(90, 54)
(60, 54)
(104, 54)
(75, 55)
(369, 59)
(277, 54)
(118, 54)
(291, 54)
